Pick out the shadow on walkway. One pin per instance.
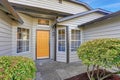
(52, 70)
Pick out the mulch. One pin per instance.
(84, 76)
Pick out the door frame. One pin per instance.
(36, 44)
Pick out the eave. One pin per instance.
(109, 16)
(83, 13)
(30, 10)
(7, 8)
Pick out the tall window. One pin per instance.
(22, 40)
(61, 40)
(75, 39)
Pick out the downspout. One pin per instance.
(55, 37)
(68, 44)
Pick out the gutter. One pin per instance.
(83, 13)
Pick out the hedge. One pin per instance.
(17, 68)
(100, 53)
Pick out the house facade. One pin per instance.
(52, 29)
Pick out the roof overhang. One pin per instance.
(38, 12)
(7, 8)
(109, 16)
(83, 13)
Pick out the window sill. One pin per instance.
(43, 26)
(27, 52)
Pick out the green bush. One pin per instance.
(100, 53)
(16, 68)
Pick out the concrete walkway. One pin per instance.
(51, 70)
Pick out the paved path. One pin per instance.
(51, 70)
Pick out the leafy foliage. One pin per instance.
(100, 53)
(16, 68)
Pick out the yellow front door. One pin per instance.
(42, 44)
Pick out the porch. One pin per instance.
(51, 70)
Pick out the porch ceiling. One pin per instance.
(35, 15)
(38, 12)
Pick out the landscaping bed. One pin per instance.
(84, 76)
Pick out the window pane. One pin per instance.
(72, 45)
(22, 40)
(72, 31)
(60, 37)
(77, 31)
(24, 36)
(72, 36)
(19, 36)
(75, 39)
(27, 31)
(27, 48)
(61, 40)
(61, 46)
(23, 30)
(27, 45)
(75, 34)
(61, 34)
(27, 34)
(78, 36)
(19, 46)
(19, 30)
(75, 45)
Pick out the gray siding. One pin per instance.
(5, 34)
(73, 23)
(28, 23)
(109, 28)
(81, 19)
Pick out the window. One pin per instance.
(22, 40)
(75, 39)
(61, 40)
(43, 22)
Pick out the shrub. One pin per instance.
(16, 68)
(100, 53)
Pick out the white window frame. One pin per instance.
(75, 40)
(22, 40)
(61, 40)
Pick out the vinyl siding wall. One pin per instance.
(82, 19)
(31, 24)
(5, 34)
(62, 56)
(73, 57)
(109, 28)
(66, 7)
(28, 23)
